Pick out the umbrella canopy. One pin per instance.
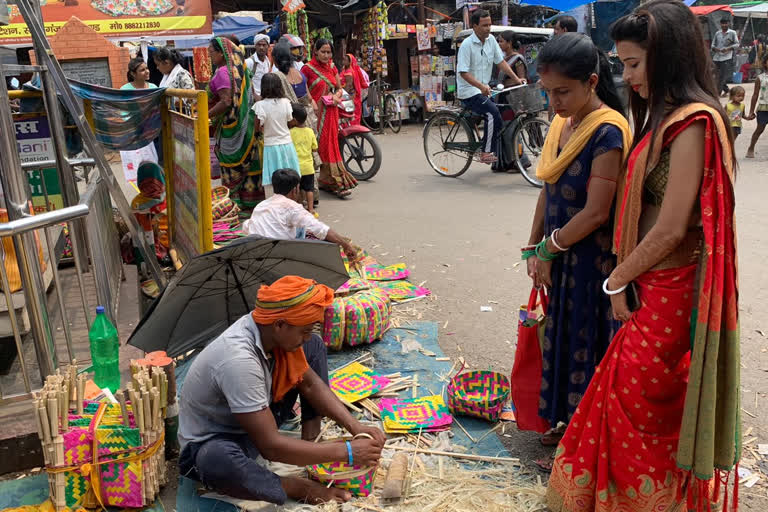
(214, 289)
(753, 11)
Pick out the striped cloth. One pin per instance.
(123, 120)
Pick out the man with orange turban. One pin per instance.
(244, 385)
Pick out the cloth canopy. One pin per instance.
(754, 11)
(703, 10)
(123, 119)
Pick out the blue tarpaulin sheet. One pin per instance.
(244, 27)
(388, 358)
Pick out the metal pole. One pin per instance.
(14, 183)
(69, 192)
(505, 12)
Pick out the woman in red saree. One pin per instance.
(325, 87)
(354, 83)
(659, 427)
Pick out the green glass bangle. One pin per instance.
(528, 253)
(542, 253)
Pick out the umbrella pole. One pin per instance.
(239, 285)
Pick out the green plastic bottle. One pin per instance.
(105, 351)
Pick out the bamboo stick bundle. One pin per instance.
(59, 498)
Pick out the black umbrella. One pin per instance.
(214, 289)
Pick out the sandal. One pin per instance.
(552, 437)
(545, 464)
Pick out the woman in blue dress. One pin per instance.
(569, 249)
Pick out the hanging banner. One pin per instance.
(126, 19)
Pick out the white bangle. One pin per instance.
(612, 292)
(553, 237)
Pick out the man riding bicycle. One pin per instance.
(477, 55)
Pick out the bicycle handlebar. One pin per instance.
(501, 91)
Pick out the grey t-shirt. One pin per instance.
(232, 375)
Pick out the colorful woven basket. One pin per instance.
(223, 209)
(355, 479)
(478, 393)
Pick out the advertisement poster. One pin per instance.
(160, 19)
(33, 138)
(422, 38)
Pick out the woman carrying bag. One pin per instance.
(569, 249)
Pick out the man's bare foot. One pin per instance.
(303, 489)
(311, 429)
(751, 153)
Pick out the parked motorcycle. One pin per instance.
(360, 150)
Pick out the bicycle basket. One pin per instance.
(526, 99)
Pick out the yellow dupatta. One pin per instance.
(552, 166)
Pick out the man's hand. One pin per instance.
(366, 452)
(485, 90)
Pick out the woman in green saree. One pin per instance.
(238, 144)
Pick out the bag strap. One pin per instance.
(539, 293)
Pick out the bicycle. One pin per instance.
(451, 137)
(387, 104)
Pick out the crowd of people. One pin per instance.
(256, 132)
(633, 238)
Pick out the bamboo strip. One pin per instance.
(465, 456)
(120, 395)
(53, 415)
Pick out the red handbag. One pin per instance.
(526, 370)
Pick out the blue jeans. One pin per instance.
(228, 463)
(484, 106)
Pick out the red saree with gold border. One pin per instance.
(658, 428)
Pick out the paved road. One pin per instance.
(462, 236)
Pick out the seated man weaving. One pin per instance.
(243, 385)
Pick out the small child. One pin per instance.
(305, 143)
(273, 113)
(735, 109)
(759, 99)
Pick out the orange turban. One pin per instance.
(299, 302)
(294, 299)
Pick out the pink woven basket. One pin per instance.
(478, 393)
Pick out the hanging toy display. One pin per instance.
(297, 24)
(374, 34)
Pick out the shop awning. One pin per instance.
(754, 11)
(703, 10)
(560, 5)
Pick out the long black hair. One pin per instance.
(576, 57)
(282, 56)
(678, 67)
(166, 54)
(133, 66)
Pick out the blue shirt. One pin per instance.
(477, 58)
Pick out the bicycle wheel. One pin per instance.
(528, 145)
(448, 144)
(361, 155)
(393, 115)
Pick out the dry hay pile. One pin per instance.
(440, 484)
